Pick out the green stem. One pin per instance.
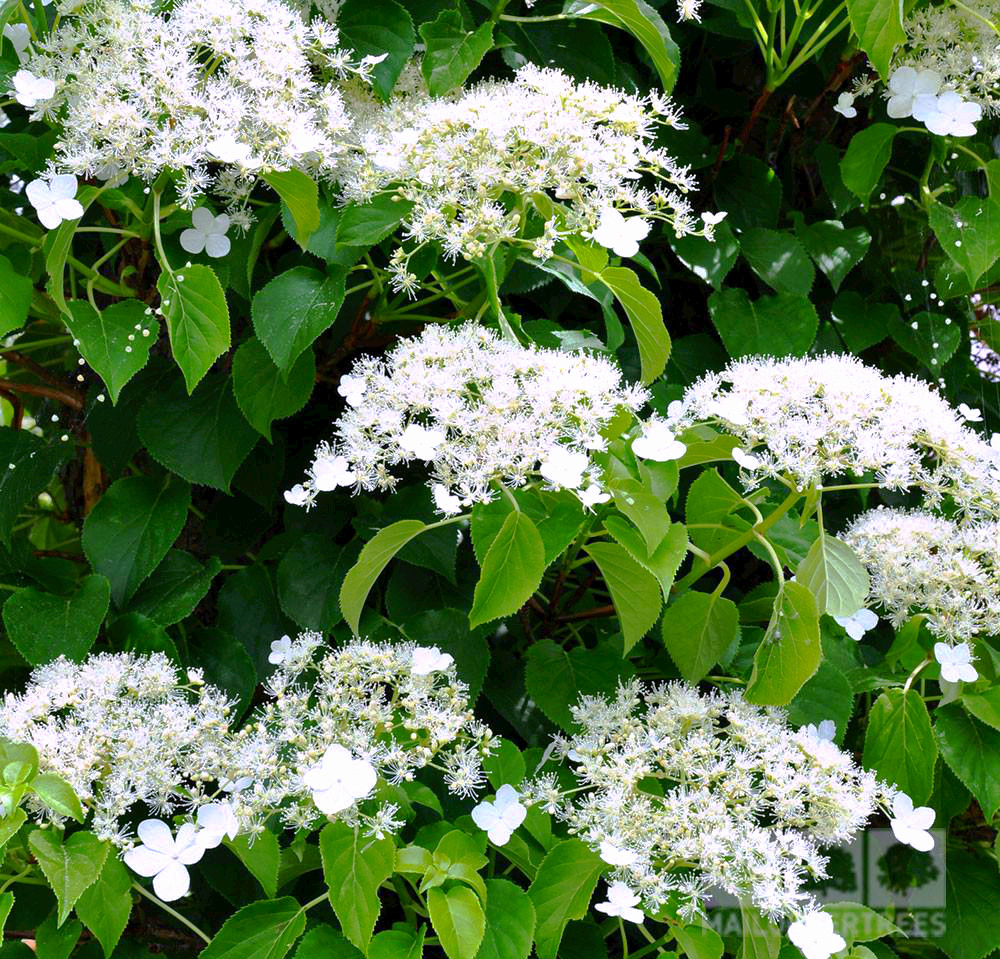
(158, 239)
(171, 911)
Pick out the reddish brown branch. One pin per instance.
(63, 395)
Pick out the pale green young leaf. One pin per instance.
(301, 195)
(879, 27)
(458, 919)
(512, 569)
(697, 629)
(900, 744)
(646, 316)
(635, 592)
(71, 867)
(106, 906)
(510, 922)
(266, 929)
(561, 891)
(867, 154)
(832, 572)
(452, 52)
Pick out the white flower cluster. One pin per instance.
(918, 94)
(340, 722)
(220, 92)
(120, 729)
(575, 152)
(740, 801)
(827, 416)
(922, 563)
(476, 409)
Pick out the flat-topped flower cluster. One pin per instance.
(476, 409)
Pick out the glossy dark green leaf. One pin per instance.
(262, 393)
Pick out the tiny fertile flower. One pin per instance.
(910, 826)
(619, 235)
(54, 200)
(857, 624)
(280, 650)
(970, 414)
(329, 472)
(745, 460)
(845, 106)
(658, 443)
(352, 388)
(815, 936)
(422, 442)
(563, 467)
(906, 85)
(430, 659)
(621, 902)
(208, 233)
(616, 856)
(502, 816)
(30, 90)
(165, 858)
(956, 663)
(953, 116)
(216, 821)
(339, 780)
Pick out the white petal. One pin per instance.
(156, 834)
(332, 800)
(192, 241)
(69, 209)
(38, 193)
(145, 861)
(63, 186)
(203, 219)
(172, 883)
(217, 245)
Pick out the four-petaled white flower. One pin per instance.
(430, 659)
(447, 503)
(845, 106)
(329, 472)
(339, 780)
(859, 623)
(30, 90)
(815, 936)
(971, 414)
(621, 902)
(910, 825)
(956, 663)
(352, 388)
(952, 116)
(658, 443)
(298, 495)
(713, 219)
(619, 235)
(280, 650)
(502, 816)
(592, 496)
(422, 442)
(216, 821)
(824, 732)
(907, 86)
(563, 467)
(54, 200)
(208, 233)
(745, 460)
(165, 858)
(616, 856)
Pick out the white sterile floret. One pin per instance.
(216, 821)
(824, 731)
(329, 472)
(815, 936)
(593, 496)
(30, 90)
(430, 659)
(616, 856)
(859, 623)
(618, 234)
(502, 816)
(621, 902)
(845, 106)
(745, 460)
(906, 86)
(910, 826)
(953, 116)
(478, 410)
(280, 650)
(658, 443)
(713, 219)
(831, 416)
(339, 780)
(956, 663)
(970, 414)
(54, 200)
(207, 233)
(165, 858)
(922, 563)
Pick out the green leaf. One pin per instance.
(452, 52)
(458, 920)
(226, 662)
(697, 629)
(761, 938)
(43, 626)
(635, 592)
(969, 747)
(377, 28)
(53, 942)
(263, 930)
(985, 706)
(900, 745)
(645, 510)
(780, 325)
(6, 904)
(790, 651)
(645, 24)
(293, 309)
(866, 156)
(203, 437)
(828, 695)
(9, 826)
(860, 322)
(373, 559)
(197, 319)
(711, 260)
(857, 923)
(324, 942)
(556, 679)
(58, 795)
(27, 465)
(106, 906)
(15, 297)
(646, 317)
(699, 942)
(396, 944)
(310, 576)
(112, 341)
(370, 223)
(301, 195)
(512, 570)
(969, 233)
(879, 27)
(129, 531)
(261, 855)
(262, 394)
(833, 573)
(354, 866)
(174, 588)
(561, 891)
(779, 259)
(972, 920)
(836, 249)
(71, 867)
(932, 338)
